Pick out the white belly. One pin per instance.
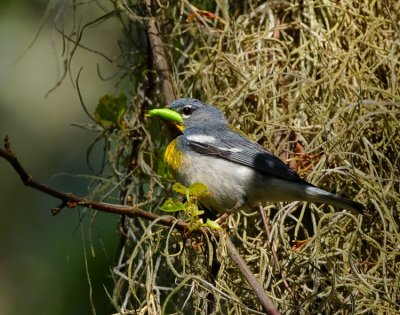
(226, 181)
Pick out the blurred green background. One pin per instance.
(42, 259)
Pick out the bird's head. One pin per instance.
(188, 112)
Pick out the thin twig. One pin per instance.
(71, 201)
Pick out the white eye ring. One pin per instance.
(187, 111)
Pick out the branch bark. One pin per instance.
(159, 56)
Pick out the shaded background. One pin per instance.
(43, 258)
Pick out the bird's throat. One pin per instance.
(172, 156)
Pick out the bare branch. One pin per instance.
(71, 201)
(265, 301)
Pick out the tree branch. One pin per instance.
(71, 201)
(159, 57)
(265, 301)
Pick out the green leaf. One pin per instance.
(213, 225)
(179, 188)
(110, 110)
(197, 189)
(192, 210)
(172, 205)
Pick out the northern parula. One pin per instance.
(238, 172)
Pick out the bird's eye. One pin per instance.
(187, 110)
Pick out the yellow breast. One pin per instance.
(172, 156)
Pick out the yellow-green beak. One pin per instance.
(166, 114)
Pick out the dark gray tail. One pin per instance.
(321, 196)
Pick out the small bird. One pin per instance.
(238, 172)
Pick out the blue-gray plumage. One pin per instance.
(237, 171)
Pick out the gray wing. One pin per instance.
(232, 146)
